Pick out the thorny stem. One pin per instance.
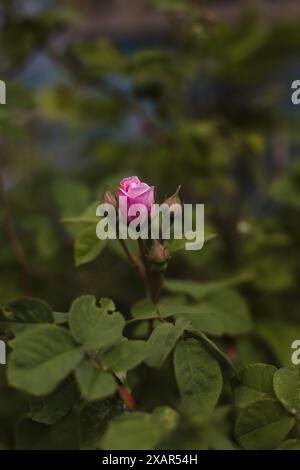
(12, 236)
(123, 392)
(153, 289)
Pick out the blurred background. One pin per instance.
(196, 93)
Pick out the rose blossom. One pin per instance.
(134, 191)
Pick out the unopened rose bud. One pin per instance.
(109, 198)
(174, 199)
(158, 254)
(132, 191)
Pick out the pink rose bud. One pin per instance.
(158, 254)
(109, 198)
(133, 191)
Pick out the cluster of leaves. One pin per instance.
(73, 364)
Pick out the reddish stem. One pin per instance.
(124, 393)
(127, 397)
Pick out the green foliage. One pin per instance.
(199, 378)
(199, 291)
(162, 341)
(94, 384)
(255, 383)
(92, 326)
(204, 362)
(88, 246)
(42, 358)
(140, 430)
(286, 386)
(262, 425)
(124, 356)
(50, 409)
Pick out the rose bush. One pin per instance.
(95, 366)
(125, 351)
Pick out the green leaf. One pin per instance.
(198, 315)
(63, 435)
(256, 383)
(141, 329)
(199, 290)
(231, 310)
(42, 358)
(223, 312)
(124, 356)
(162, 341)
(92, 326)
(198, 376)
(178, 245)
(60, 317)
(87, 218)
(27, 310)
(88, 246)
(94, 384)
(211, 345)
(107, 304)
(203, 317)
(286, 386)
(262, 425)
(144, 309)
(94, 416)
(279, 336)
(25, 313)
(50, 409)
(218, 429)
(139, 431)
(290, 444)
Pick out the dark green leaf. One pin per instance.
(287, 385)
(88, 246)
(94, 384)
(50, 409)
(42, 358)
(93, 419)
(27, 310)
(124, 356)
(162, 341)
(92, 326)
(139, 431)
(198, 376)
(290, 444)
(256, 383)
(262, 425)
(199, 290)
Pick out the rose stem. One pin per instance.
(147, 268)
(135, 263)
(159, 284)
(123, 392)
